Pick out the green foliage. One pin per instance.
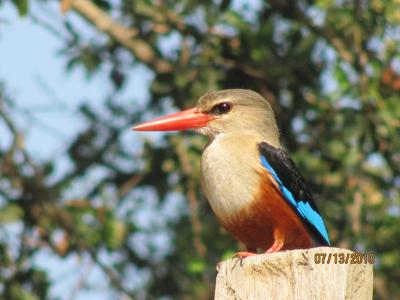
(22, 6)
(331, 72)
(10, 213)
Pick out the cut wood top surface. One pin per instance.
(317, 273)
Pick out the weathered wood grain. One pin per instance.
(294, 275)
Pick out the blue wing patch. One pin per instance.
(302, 206)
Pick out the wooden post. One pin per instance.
(297, 274)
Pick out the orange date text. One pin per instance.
(344, 258)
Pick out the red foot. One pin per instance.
(244, 254)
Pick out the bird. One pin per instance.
(253, 186)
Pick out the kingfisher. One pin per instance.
(251, 183)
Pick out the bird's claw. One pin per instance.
(242, 255)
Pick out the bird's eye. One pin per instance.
(221, 108)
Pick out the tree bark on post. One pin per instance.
(317, 273)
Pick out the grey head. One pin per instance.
(238, 111)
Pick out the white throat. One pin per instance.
(229, 167)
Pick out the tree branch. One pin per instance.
(127, 37)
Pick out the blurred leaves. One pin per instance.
(10, 213)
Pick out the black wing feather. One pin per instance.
(294, 182)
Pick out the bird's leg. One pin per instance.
(278, 243)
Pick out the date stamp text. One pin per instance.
(344, 258)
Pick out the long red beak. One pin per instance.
(186, 119)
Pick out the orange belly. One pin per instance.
(268, 219)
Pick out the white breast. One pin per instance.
(229, 173)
